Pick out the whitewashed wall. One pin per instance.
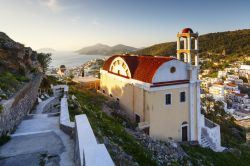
(163, 73)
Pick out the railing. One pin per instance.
(87, 151)
(209, 123)
(212, 132)
(65, 124)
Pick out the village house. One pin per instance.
(231, 87)
(244, 69)
(240, 101)
(217, 90)
(232, 70)
(162, 94)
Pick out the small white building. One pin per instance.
(217, 90)
(231, 87)
(245, 69)
(238, 82)
(232, 69)
(232, 77)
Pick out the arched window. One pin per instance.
(120, 67)
(184, 123)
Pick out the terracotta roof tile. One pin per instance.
(142, 68)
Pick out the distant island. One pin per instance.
(102, 49)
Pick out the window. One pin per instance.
(168, 99)
(182, 97)
(172, 69)
(124, 65)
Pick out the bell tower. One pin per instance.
(187, 51)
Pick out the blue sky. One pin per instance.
(72, 24)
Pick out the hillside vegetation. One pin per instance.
(221, 43)
(18, 64)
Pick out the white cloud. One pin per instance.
(53, 5)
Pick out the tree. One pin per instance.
(63, 68)
(44, 60)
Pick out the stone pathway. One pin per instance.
(38, 140)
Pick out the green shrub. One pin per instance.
(7, 80)
(4, 139)
(104, 125)
(10, 82)
(22, 78)
(1, 108)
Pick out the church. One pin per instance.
(162, 94)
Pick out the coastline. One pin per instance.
(71, 59)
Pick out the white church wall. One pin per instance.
(163, 73)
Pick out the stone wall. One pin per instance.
(65, 124)
(19, 105)
(248, 137)
(86, 146)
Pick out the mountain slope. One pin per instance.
(18, 64)
(101, 49)
(94, 50)
(229, 43)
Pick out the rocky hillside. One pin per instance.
(18, 64)
(102, 49)
(221, 43)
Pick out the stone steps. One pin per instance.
(205, 143)
(38, 116)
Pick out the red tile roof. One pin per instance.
(187, 30)
(231, 84)
(218, 83)
(142, 68)
(239, 94)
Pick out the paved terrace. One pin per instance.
(38, 140)
(41, 140)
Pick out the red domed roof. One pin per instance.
(187, 30)
(142, 68)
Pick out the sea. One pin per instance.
(71, 59)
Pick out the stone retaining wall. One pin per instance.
(65, 124)
(19, 105)
(87, 150)
(248, 138)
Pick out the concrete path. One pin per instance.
(38, 140)
(41, 105)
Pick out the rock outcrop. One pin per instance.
(17, 58)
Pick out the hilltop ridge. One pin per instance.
(103, 49)
(220, 43)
